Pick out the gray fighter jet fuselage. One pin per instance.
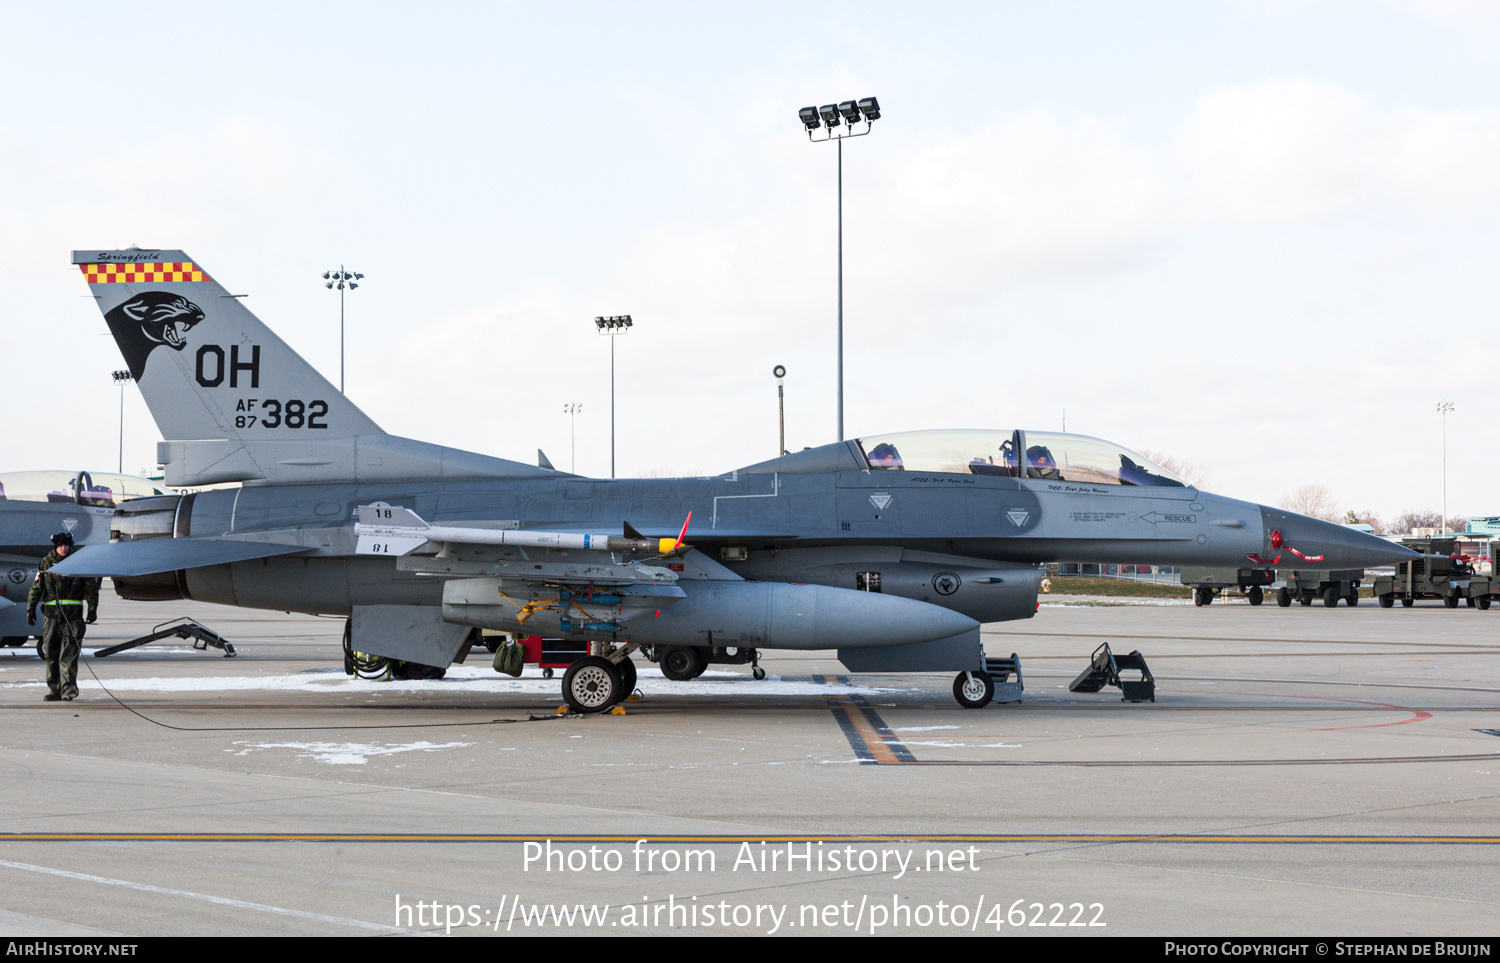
(891, 549)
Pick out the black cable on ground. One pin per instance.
(88, 664)
(407, 725)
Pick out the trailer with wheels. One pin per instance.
(1306, 587)
(1441, 574)
(1207, 583)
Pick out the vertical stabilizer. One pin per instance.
(206, 366)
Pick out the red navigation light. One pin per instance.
(1276, 539)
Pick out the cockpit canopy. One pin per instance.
(99, 489)
(1048, 455)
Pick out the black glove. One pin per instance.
(31, 616)
(93, 617)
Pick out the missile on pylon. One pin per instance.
(389, 530)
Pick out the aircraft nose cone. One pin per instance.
(1340, 546)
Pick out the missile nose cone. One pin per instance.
(1300, 540)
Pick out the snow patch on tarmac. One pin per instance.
(347, 753)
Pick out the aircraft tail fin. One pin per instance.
(207, 367)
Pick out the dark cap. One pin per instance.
(63, 538)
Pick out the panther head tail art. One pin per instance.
(150, 320)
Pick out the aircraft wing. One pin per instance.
(165, 555)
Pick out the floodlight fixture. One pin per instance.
(121, 378)
(780, 372)
(342, 280)
(839, 122)
(613, 325)
(1443, 407)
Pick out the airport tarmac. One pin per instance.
(1303, 772)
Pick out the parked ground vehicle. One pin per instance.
(1329, 585)
(1209, 582)
(1442, 574)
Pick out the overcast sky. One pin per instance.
(1259, 236)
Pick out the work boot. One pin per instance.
(69, 694)
(51, 697)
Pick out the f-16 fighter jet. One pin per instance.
(891, 549)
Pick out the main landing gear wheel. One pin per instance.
(973, 690)
(1353, 599)
(592, 684)
(1387, 600)
(1283, 598)
(626, 668)
(416, 671)
(1408, 602)
(682, 662)
(1483, 604)
(1330, 597)
(1256, 595)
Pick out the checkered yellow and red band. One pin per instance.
(143, 273)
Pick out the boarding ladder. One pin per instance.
(1006, 674)
(1104, 669)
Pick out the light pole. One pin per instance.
(780, 372)
(339, 279)
(612, 327)
(1443, 408)
(571, 409)
(121, 377)
(829, 118)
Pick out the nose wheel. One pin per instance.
(973, 690)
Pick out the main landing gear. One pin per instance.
(601, 680)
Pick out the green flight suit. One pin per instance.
(65, 601)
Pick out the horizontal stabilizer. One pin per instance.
(165, 555)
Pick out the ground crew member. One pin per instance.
(63, 600)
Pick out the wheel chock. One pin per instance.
(617, 711)
(562, 710)
(633, 697)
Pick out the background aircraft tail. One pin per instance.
(206, 366)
